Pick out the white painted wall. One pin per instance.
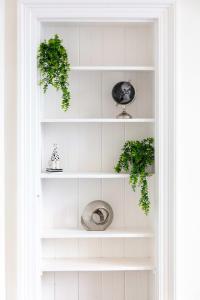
(188, 158)
(188, 143)
(2, 169)
(10, 132)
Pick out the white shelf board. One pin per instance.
(99, 120)
(90, 175)
(112, 68)
(81, 234)
(95, 264)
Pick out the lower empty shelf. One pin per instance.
(96, 264)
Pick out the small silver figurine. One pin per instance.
(54, 162)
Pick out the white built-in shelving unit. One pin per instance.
(117, 263)
(133, 259)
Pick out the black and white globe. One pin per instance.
(123, 92)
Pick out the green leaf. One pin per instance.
(135, 158)
(54, 68)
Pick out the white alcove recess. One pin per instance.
(58, 258)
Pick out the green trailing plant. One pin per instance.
(54, 68)
(136, 158)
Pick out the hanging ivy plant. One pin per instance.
(135, 158)
(54, 68)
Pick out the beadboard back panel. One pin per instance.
(98, 286)
(64, 201)
(104, 51)
(94, 45)
(91, 95)
(90, 147)
(105, 43)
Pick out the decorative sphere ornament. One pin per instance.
(123, 93)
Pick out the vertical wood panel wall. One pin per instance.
(96, 148)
